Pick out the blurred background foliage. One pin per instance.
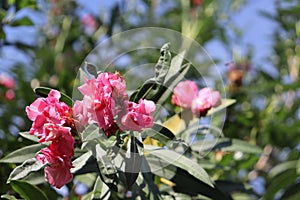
(43, 43)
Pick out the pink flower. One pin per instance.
(7, 81)
(52, 122)
(80, 112)
(10, 94)
(45, 111)
(103, 101)
(184, 94)
(58, 172)
(138, 116)
(206, 99)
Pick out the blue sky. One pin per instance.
(257, 32)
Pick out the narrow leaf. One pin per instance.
(282, 167)
(24, 169)
(80, 162)
(28, 136)
(22, 154)
(163, 64)
(90, 132)
(224, 103)
(133, 162)
(9, 197)
(28, 191)
(175, 66)
(160, 133)
(183, 162)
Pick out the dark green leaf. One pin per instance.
(28, 191)
(22, 154)
(188, 184)
(133, 162)
(148, 177)
(280, 181)
(44, 91)
(21, 22)
(24, 169)
(160, 133)
(292, 192)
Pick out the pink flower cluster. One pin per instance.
(8, 83)
(187, 96)
(52, 122)
(107, 104)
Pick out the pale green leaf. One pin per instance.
(28, 136)
(80, 162)
(179, 160)
(224, 104)
(22, 154)
(24, 169)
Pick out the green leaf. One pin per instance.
(44, 91)
(163, 64)
(175, 66)
(97, 188)
(171, 83)
(90, 70)
(143, 91)
(91, 132)
(28, 191)
(24, 169)
(28, 136)
(292, 192)
(35, 177)
(107, 169)
(160, 133)
(25, 21)
(147, 175)
(100, 191)
(87, 179)
(80, 162)
(22, 154)
(225, 144)
(282, 167)
(133, 162)
(153, 88)
(182, 162)
(159, 167)
(9, 197)
(224, 103)
(279, 182)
